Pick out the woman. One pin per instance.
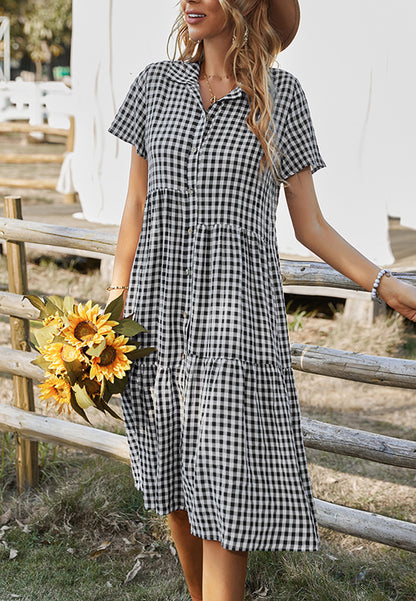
(212, 418)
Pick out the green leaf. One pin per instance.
(37, 302)
(82, 397)
(58, 301)
(115, 308)
(97, 349)
(69, 303)
(118, 385)
(52, 308)
(128, 327)
(141, 352)
(44, 335)
(75, 369)
(77, 408)
(103, 406)
(41, 362)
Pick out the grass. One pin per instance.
(91, 503)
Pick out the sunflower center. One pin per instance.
(84, 330)
(108, 356)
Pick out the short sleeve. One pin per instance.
(129, 124)
(299, 146)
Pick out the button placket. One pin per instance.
(191, 215)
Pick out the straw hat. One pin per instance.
(284, 17)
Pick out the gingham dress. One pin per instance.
(212, 418)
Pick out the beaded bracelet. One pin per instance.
(380, 274)
(116, 288)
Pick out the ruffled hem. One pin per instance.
(222, 439)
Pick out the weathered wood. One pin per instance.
(70, 198)
(16, 305)
(314, 273)
(340, 293)
(50, 429)
(367, 525)
(58, 235)
(384, 371)
(18, 363)
(20, 159)
(32, 184)
(359, 443)
(27, 469)
(27, 128)
(70, 141)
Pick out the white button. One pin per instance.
(187, 271)
(190, 190)
(190, 230)
(183, 355)
(194, 149)
(185, 314)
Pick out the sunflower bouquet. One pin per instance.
(84, 351)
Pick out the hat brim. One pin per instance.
(285, 18)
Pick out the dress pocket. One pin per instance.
(232, 302)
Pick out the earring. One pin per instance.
(245, 36)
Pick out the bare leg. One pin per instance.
(224, 572)
(189, 548)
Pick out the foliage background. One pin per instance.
(40, 29)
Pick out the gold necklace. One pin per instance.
(213, 97)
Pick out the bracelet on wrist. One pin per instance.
(374, 294)
(116, 288)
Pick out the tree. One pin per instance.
(40, 28)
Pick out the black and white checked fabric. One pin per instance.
(212, 418)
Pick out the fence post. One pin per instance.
(27, 468)
(70, 198)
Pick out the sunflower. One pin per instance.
(112, 361)
(55, 320)
(56, 391)
(58, 352)
(86, 326)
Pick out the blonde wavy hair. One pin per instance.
(250, 67)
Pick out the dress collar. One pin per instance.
(188, 72)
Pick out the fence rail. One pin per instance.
(383, 371)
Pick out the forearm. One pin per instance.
(128, 238)
(332, 248)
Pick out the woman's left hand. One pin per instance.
(399, 296)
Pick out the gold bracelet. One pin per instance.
(117, 288)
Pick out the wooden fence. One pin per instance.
(12, 158)
(30, 428)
